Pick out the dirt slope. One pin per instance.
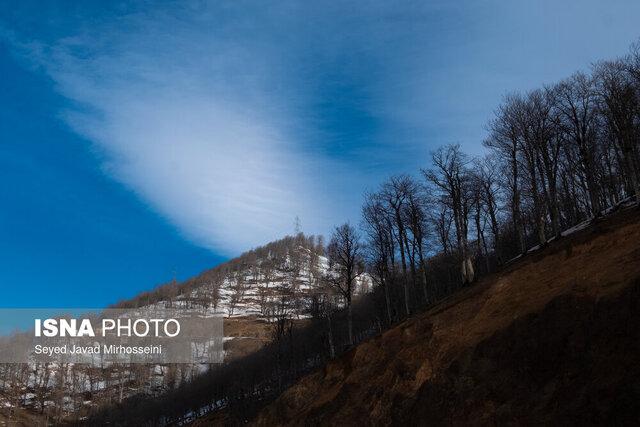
(554, 338)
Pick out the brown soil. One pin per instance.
(18, 417)
(552, 339)
(249, 335)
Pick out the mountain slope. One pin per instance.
(246, 286)
(553, 337)
(248, 289)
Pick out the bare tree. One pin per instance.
(451, 176)
(576, 102)
(548, 140)
(487, 171)
(504, 140)
(416, 219)
(380, 246)
(395, 194)
(345, 266)
(479, 216)
(238, 292)
(324, 302)
(620, 105)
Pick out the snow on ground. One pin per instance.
(629, 202)
(244, 294)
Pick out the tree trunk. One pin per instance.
(332, 348)
(350, 322)
(387, 300)
(515, 203)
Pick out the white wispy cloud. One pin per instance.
(231, 118)
(192, 122)
(221, 116)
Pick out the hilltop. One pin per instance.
(246, 286)
(249, 290)
(551, 338)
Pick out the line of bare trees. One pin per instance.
(556, 156)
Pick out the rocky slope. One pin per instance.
(553, 338)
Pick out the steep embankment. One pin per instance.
(556, 336)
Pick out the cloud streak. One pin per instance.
(232, 118)
(231, 123)
(192, 122)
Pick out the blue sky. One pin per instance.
(141, 141)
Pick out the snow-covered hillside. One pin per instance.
(261, 287)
